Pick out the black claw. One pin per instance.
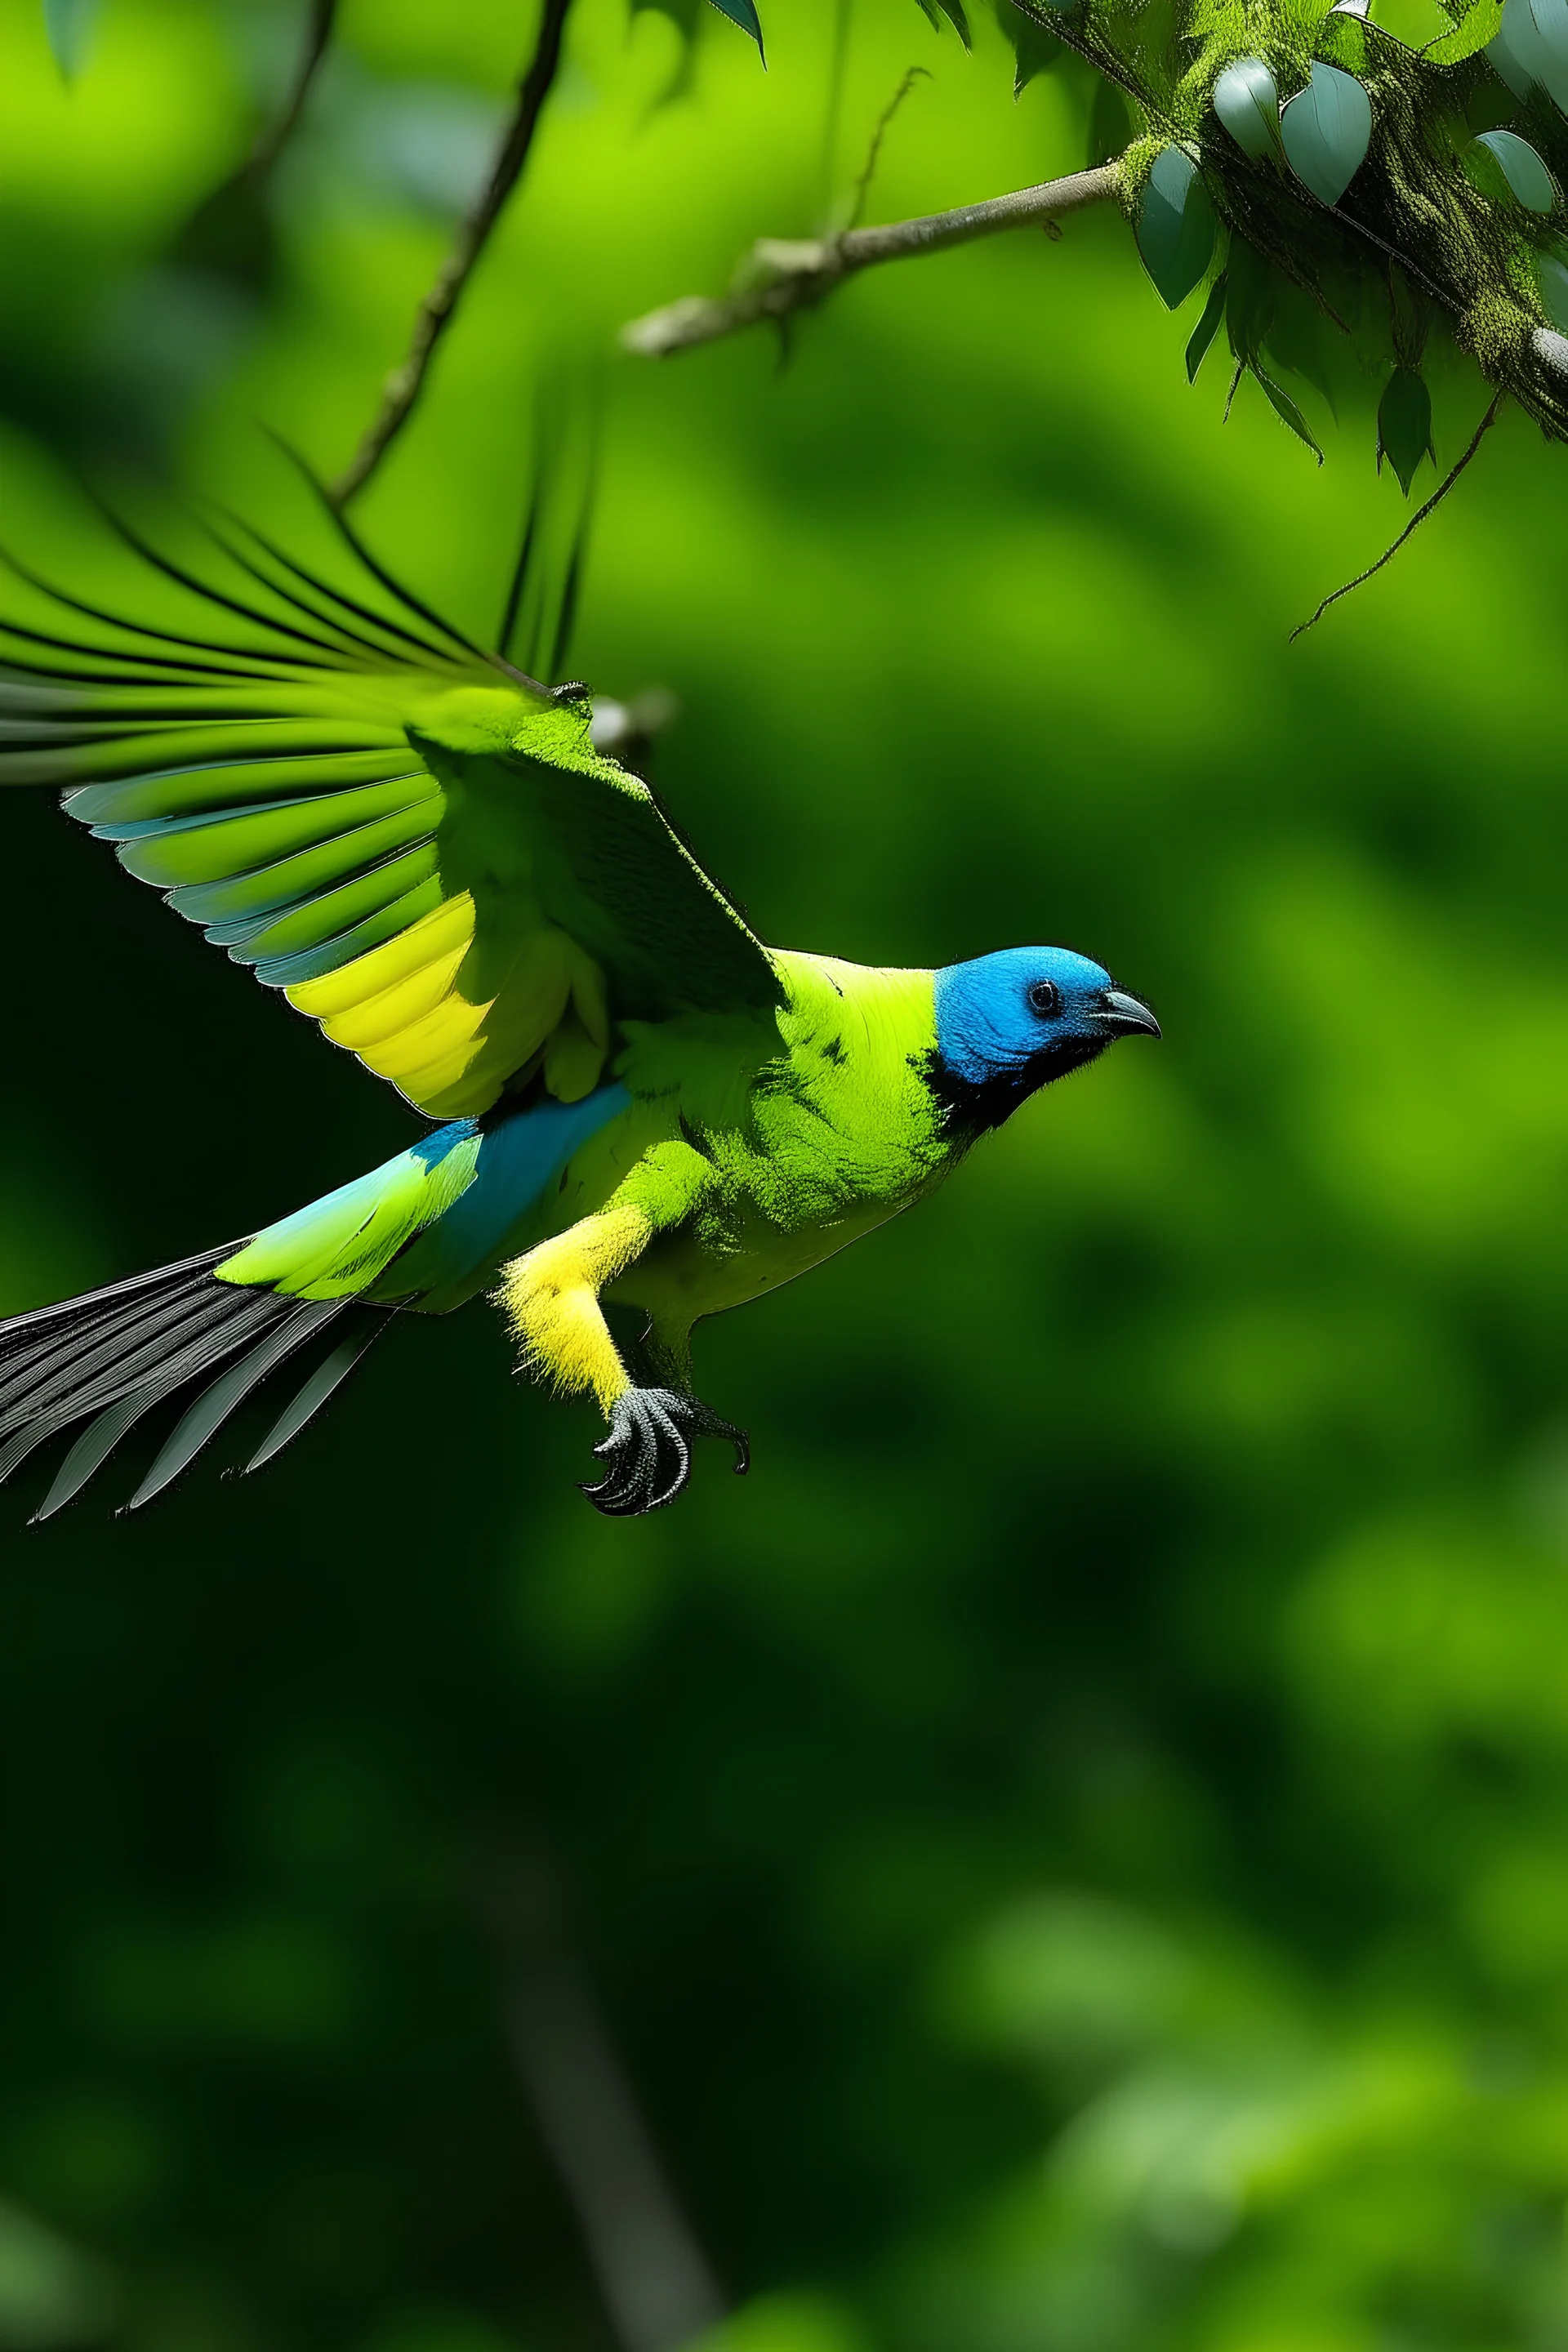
(648, 1452)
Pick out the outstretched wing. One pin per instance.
(419, 845)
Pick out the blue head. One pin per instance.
(1009, 1023)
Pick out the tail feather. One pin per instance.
(287, 1331)
(28, 1367)
(103, 1433)
(330, 1374)
(98, 1375)
(228, 1392)
(202, 1339)
(18, 1329)
(107, 1358)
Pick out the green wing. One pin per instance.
(419, 845)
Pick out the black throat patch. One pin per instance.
(970, 1107)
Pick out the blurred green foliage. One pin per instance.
(1074, 1854)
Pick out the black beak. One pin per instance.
(1120, 1016)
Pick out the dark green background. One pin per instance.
(1073, 1854)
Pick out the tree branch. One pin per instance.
(434, 314)
(780, 277)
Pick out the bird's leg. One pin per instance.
(551, 1297)
(660, 1359)
(551, 1300)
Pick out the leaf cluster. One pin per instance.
(1359, 176)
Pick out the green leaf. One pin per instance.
(1034, 50)
(1550, 21)
(70, 25)
(1109, 124)
(1285, 408)
(1500, 56)
(1246, 101)
(1208, 328)
(1478, 26)
(1551, 277)
(1302, 340)
(1415, 23)
(1327, 129)
(1175, 227)
(934, 10)
(1501, 156)
(1404, 424)
(1250, 303)
(742, 12)
(1533, 35)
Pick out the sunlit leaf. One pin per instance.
(70, 25)
(1415, 22)
(1477, 27)
(1246, 101)
(1176, 225)
(1502, 155)
(1208, 328)
(1327, 129)
(1404, 424)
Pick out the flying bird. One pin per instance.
(631, 1099)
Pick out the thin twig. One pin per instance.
(434, 313)
(276, 136)
(873, 153)
(782, 277)
(1416, 520)
(212, 222)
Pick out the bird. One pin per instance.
(629, 1099)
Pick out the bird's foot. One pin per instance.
(648, 1450)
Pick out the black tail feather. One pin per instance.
(101, 1374)
(203, 1340)
(228, 1392)
(22, 1374)
(16, 1325)
(110, 1357)
(329, 1375)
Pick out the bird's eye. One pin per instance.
(1045, 998)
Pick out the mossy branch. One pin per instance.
(434, 314)
(779, 278)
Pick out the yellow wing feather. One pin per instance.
(419, 847)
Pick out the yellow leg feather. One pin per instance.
(551, 1297)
